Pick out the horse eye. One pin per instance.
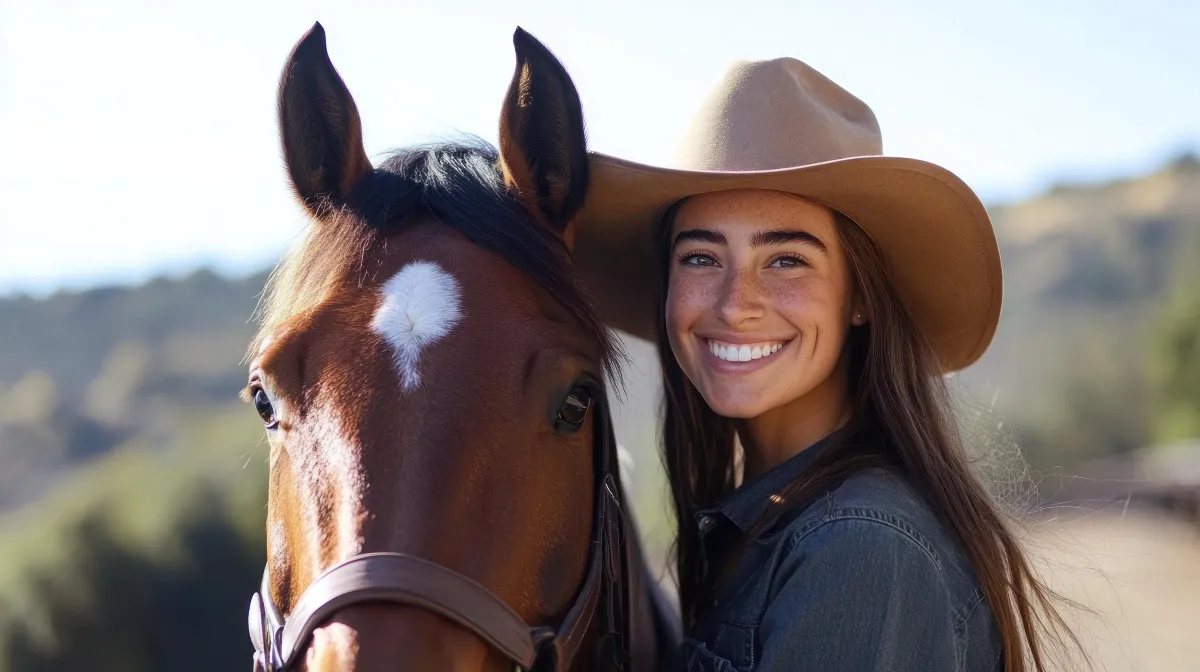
(266, 411)
(574, 410)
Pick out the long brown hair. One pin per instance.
(902, 417)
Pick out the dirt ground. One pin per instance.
(1140, 573)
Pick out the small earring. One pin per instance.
(857, 319)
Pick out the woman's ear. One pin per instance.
(858, 314)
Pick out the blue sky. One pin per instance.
(139, 138)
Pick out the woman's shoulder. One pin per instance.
(887, 499)
(879, 513)
(864, 574)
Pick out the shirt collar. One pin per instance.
(746, 504)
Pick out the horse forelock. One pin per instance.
(458, 184)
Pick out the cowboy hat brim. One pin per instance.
(931, 228)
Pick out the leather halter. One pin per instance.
(409, 580)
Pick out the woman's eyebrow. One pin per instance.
(701, 236)
(763, 238)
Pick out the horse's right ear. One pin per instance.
(319, 125)
(543, 148)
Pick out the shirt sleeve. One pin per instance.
(858, 595)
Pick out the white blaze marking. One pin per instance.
(421, 304)
(332, 467)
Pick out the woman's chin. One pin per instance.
(738, 407)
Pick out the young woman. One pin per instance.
(813, 295)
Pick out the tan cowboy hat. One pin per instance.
(783, 126)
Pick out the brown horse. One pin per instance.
(431, 381)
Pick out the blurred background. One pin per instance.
(142, 201)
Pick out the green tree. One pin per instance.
(1177, 353)
(142, 560)
(106, 606)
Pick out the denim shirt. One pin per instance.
(864, 578)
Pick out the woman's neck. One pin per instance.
(770, 439)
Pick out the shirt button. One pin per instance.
(706, 523)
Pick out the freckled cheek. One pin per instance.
(803, 305)
(687, 302)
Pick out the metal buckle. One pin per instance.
(276, 646)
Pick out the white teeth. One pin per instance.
(743, 353)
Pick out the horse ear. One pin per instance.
(319, 125)
(543, 151)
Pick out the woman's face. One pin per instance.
(759, 301)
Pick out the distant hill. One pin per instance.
(81, 373)
(191, 326)
(1085, 268)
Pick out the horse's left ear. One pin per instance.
(543, 151)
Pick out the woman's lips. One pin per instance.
(741, 357)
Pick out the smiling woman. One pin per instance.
(812, 293)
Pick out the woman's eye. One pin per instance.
(787, 261)
(697, 259)
(574, 410)
(266, 411)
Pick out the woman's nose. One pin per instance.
(741, 300)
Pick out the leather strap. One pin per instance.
(566, 642)
(407, 579)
